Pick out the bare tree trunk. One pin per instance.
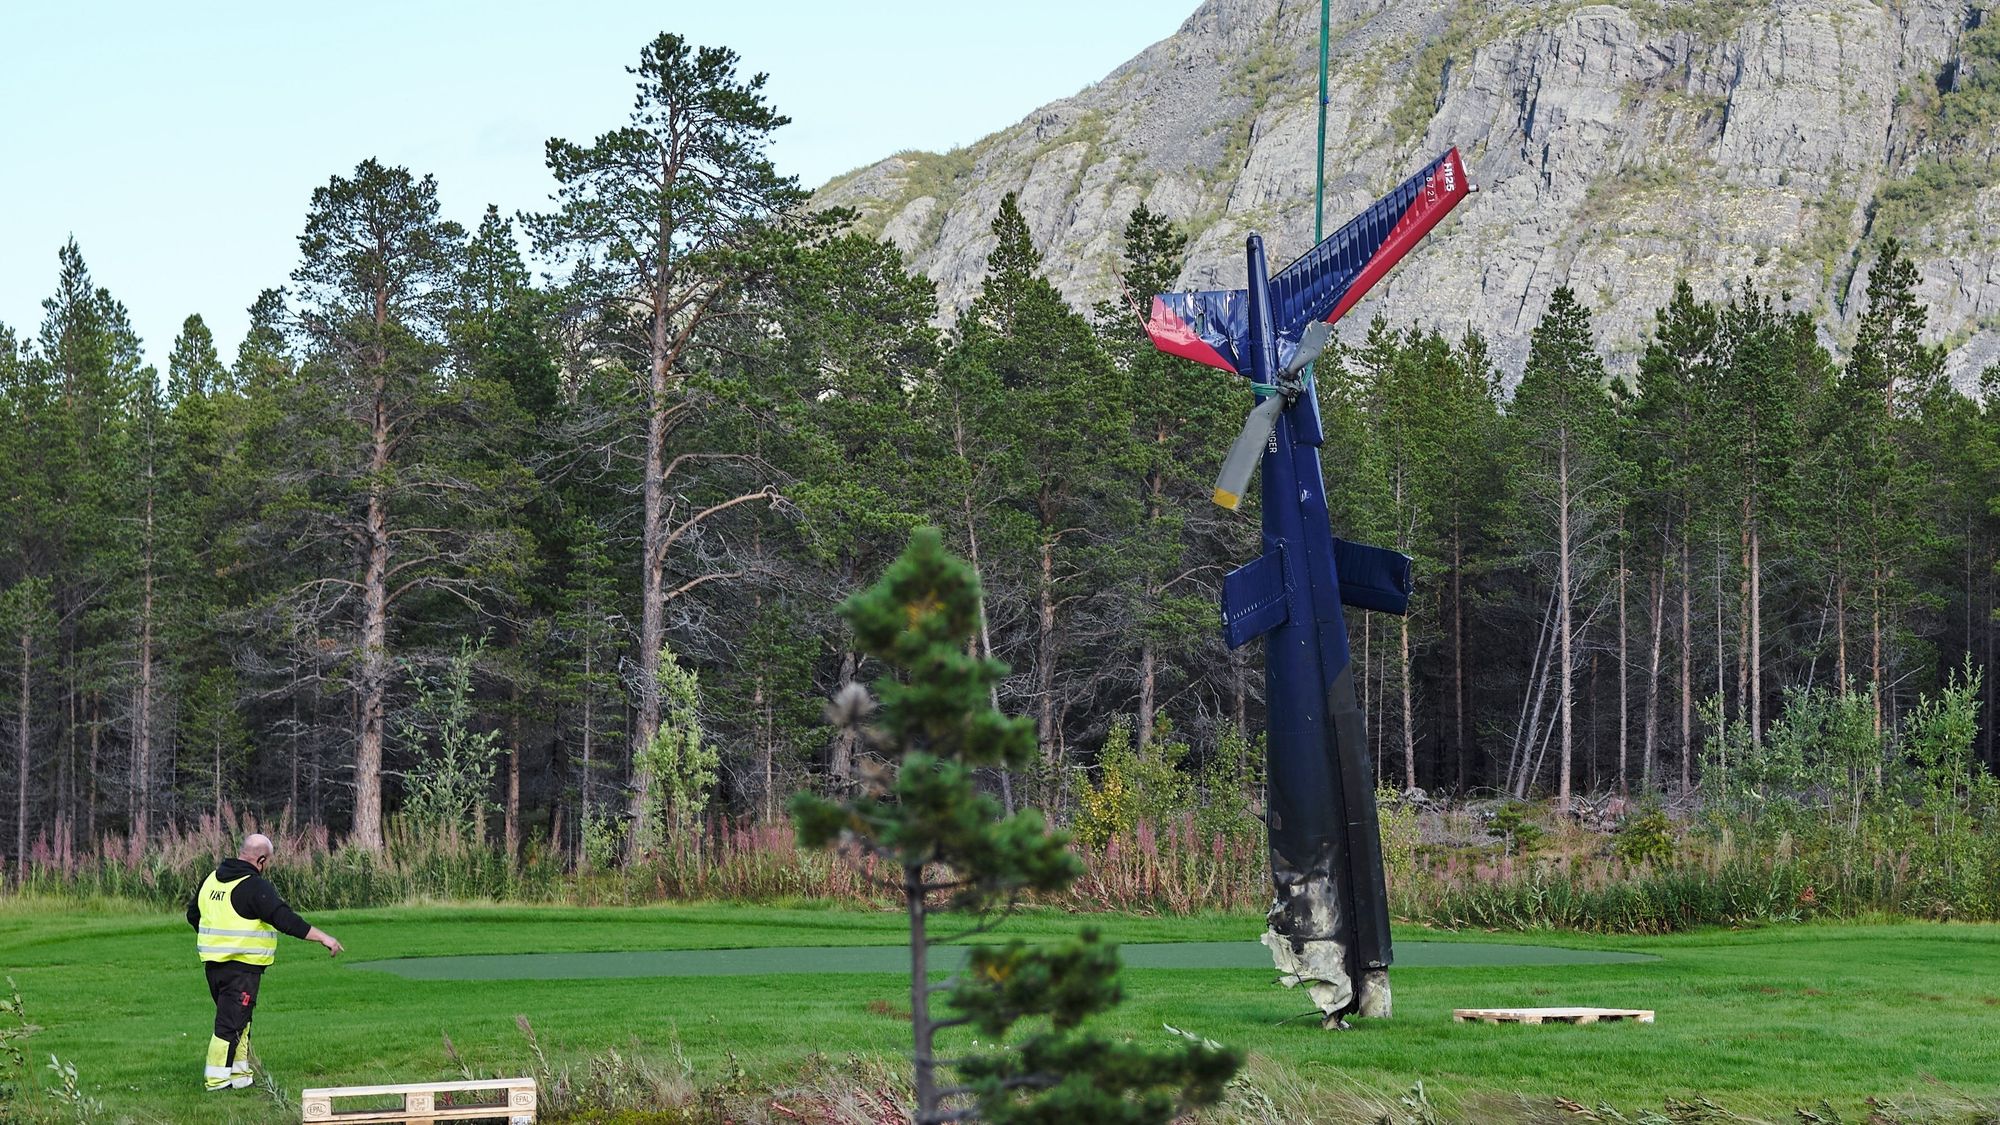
(1565, 595)
(589, 740)
(1687, 656)
(511, 824)
(1409, 728)
(1458, 655)
(1045, 656)
(367, 830)
(1656, 601)
(65, 775)
(1148, 674)
(1743, 613)
(1992, 627)
(653, 578)
(1148, 660)
(312, 709)
(21, 751)
(1528, 731)
(972, 543)
(1592, 725)
(298, 751)
(1239, 695)
(765, 750)
(1875, 645)
(96, 741)
(90, 805)
(1840, 628)
(1721, 653)
(1624, 713)
(840, 760)
(972, 555)
(142, 726)
(1368, 706)
(1540, 754)
(373, 714)
(1970, 596)
(1756, 639)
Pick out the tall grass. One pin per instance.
(725, 861)
(1575, 879)
(1172, 868)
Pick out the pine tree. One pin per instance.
(667, 216)
(1466, 485)
(214, 740)
(590, 632)
(1756, 412)
(386, 465)
(841, 380)
(89, 371)
(30, 506)
(1563, 422)
(1182, 417)
(1889, 374)
(1043, 413)
(28, 619)
(1676, 374)
(499, 328)
(927, 818)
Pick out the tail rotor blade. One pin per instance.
(1310, 345)
(1234, 480)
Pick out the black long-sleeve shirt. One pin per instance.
(254, 897)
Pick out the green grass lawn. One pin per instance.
(1760, 1021)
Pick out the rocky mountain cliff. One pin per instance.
(1617, 147)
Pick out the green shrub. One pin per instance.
(1645, 838)
(1134, 784)
(1401, 835)
(448, 789)
(1518, 835)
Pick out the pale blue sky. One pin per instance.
(180, 143)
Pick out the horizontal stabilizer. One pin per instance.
(1327, 280)
(1212, 326)
(1206, 326)
(1374, 578)
(1255, 598)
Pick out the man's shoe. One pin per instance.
(242, 1079)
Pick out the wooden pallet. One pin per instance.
(515, 1102)
(1550, 1015)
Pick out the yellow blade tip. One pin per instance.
(1227, 499)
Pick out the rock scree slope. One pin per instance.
(1618, 147)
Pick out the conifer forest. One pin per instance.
(539, 530)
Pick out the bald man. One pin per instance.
(237, 916)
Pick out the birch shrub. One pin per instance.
(679, 759)
(447, 791)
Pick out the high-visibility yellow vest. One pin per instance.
(225, 935)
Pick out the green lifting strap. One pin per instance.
(1319, 168)
(1319, 175)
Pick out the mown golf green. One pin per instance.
(1760, 1021)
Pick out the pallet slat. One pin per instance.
(420, 1100)
(420, 1087)
(1551, 1015)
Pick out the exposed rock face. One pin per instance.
(1618, 147)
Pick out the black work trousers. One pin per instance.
(233, 984)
